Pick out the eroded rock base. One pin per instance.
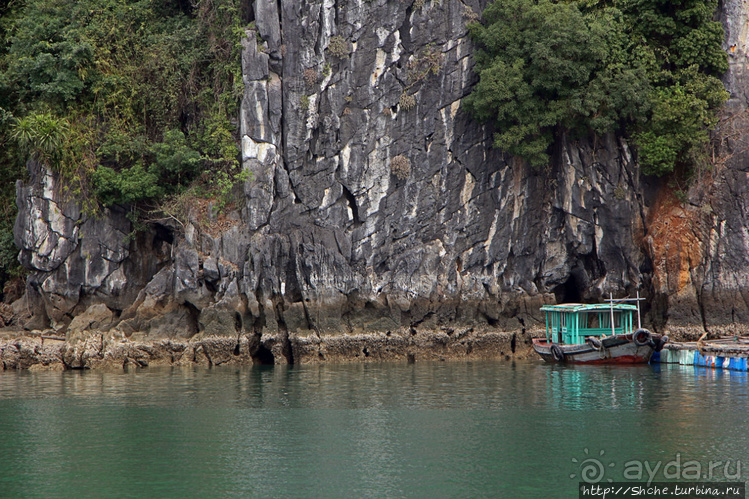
(37, 351)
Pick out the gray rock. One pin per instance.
(96, 318)
(327, 243)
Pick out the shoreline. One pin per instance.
(45, 350)
(42, 350)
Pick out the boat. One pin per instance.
(602, 333)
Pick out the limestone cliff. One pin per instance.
(377, 204)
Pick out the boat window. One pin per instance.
(592, 321)
(617, 319)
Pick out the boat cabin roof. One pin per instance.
(588, 307)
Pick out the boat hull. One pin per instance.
(619, 349)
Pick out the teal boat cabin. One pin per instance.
(571, 323)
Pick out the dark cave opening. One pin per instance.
(263, 357)
(162, 233)
(568, 291)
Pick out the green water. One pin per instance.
(419, 430)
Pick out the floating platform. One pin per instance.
(723, 353)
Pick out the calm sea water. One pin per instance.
(420, 430)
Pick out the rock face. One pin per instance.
(332, 239)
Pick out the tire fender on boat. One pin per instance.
(660, 343)
(557, 353)
(595, 343)
(641, 337)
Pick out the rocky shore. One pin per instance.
(42, 350)
(45, 350)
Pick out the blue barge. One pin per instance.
(724, 353)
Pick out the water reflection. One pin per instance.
(602, 387)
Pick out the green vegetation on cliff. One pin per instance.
(647, 67)
(130, 100)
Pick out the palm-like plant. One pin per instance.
(41, 135)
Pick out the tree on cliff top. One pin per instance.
(124, 75)
(130, 100)
(649, 67)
